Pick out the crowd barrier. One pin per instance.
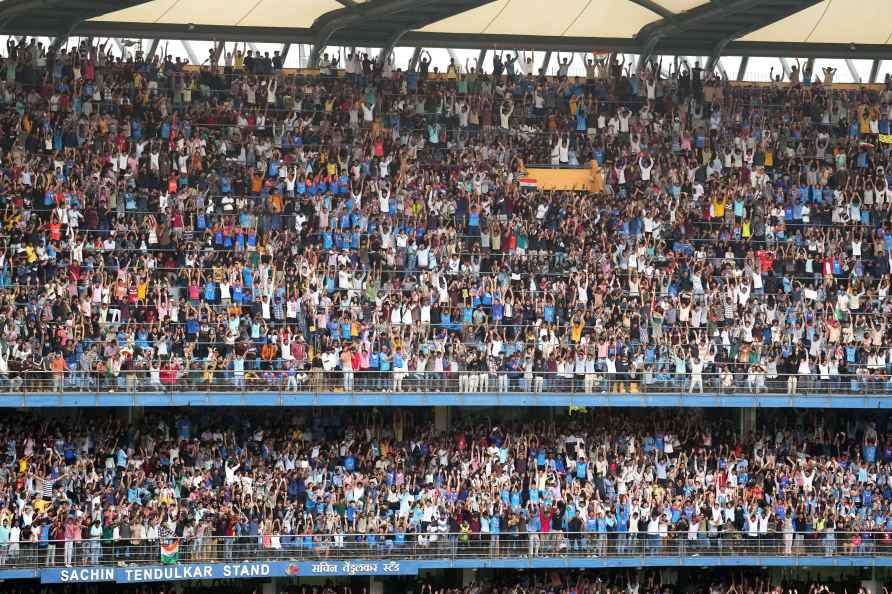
(270, 376)
(434, 545)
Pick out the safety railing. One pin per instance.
(276, 376)
(435, 545)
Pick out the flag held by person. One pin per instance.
(170, 552)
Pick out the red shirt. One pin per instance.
(168, 373)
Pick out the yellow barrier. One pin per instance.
(589, 179)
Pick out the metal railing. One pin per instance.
(270, 376)
(449, 546)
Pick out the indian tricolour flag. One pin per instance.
(527, 182)
(170, 552)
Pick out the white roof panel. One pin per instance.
(587, 18)
(680, 5)
(829, 21)
(248, 13)
(832, 21)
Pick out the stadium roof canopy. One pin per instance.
(808, 28)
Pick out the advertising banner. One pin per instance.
(218, 571)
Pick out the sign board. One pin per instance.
(218, 571)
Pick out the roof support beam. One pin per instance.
(153, 47)
(545, 61)
(714, 25)
(359, 15)
(315, 55)
(764, 49)
(218, 53)
(875, 70)
(785, 66)
(480, 57)
(190, 51)
(286, 47)
(413, 61)
(57, 43)
(54, 18)
(721, 69)
(850, 64)
(651, 35)
(741, 71)
(388, 48)
(654, 7)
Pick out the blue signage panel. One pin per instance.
(218, 571)
(280, 569)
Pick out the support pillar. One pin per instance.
(153, 47)
(546, 60)
(785, 65)
(480, 57)
(376, 586)
(131, 414)
(875, 70)
(850, 64)
(442, 416)
(741, 72)
(413, 61)
(747, 417)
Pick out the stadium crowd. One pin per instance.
(667, 581)
(367, 228)
(543, 582)
(352, 484)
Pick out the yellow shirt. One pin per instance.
(597, 178)
(863, 121)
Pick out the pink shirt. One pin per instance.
(72, 531)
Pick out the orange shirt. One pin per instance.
(256, 184)
(58, 365)
(275, 202)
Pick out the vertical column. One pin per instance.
(441, 418)
(747, 417)
(875, 70)
(376, 586)
(741, 72)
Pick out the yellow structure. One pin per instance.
(590, 179)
